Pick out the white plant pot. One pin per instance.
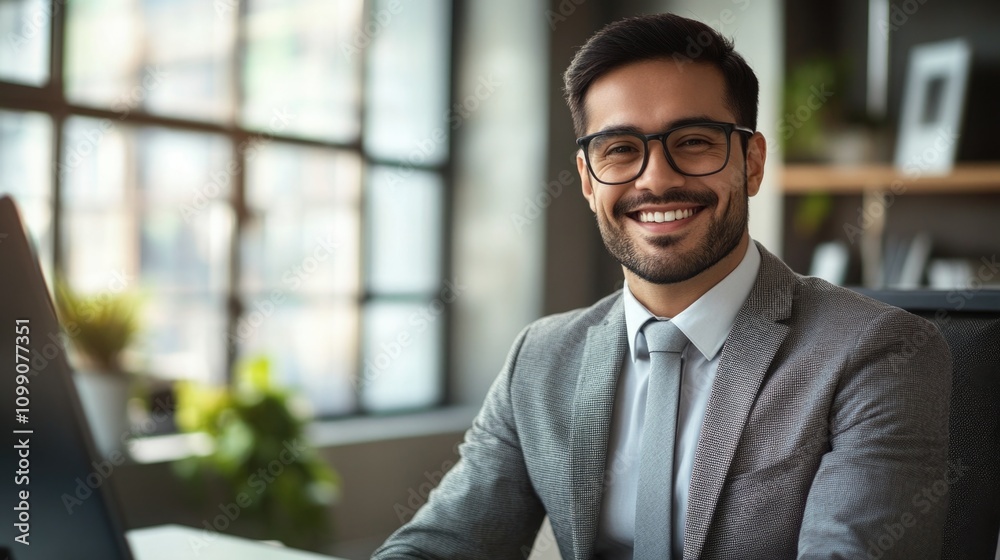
(104, 398)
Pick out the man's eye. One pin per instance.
(622, 149)
(693, 142)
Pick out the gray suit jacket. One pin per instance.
(825, 436)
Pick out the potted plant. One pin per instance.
(261, 470)
(100, 327)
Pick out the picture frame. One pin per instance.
(933, 103)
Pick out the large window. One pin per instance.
(270, 175)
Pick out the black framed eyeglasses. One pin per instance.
(695, 150)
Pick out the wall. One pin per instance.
(500, 150)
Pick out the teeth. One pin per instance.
(668, 216)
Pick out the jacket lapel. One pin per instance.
(746, 357)
(602, 359)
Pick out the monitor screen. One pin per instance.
(55, 494)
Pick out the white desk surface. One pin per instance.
(176, 542)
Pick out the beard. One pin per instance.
(723, 237)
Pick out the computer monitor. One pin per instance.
(57, 501)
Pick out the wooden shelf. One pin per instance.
(965, 178)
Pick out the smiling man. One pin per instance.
(719, 406)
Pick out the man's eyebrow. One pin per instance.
(619, 128)
(672, 124)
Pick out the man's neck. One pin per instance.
(668, 300)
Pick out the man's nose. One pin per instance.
(659, 175)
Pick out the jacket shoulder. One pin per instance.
(816, 292)
(573, 323)
(817, 300)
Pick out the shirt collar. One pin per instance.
(707, 321)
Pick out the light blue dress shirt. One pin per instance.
(706, 323)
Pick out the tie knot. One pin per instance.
(664, 336)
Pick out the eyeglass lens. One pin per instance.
(695, 150)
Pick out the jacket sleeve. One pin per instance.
(881, 491)
(485, 507)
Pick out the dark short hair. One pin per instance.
(658, 36)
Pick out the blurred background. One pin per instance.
(378, 195)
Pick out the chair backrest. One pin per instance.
(970, 322)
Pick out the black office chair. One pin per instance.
(970, 322)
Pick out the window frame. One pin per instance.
(50, 99)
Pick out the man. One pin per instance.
(793, 419)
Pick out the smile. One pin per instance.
(667, 216)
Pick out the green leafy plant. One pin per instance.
(100, 326)
(807, 111)
(260, 458)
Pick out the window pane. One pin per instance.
(187, 222)
(407, 89)
(405, 220)
(184, 337)
(305, 231)
(299, 64)
(163, 57)
(402, 355)
(313, 345)
(301, 260)
(136, 217)
(24, 49)
(25, 174)
(97, 225)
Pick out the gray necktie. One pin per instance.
(653, 505)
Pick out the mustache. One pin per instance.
(701, 198)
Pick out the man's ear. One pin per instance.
(756, 155)
(585, 184)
